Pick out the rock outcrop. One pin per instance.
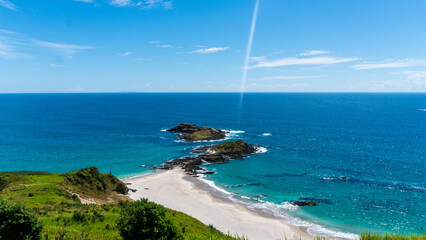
(304, 203)
(191, 133)
(220, 153)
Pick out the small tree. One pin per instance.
(18, 222)
(146, 220)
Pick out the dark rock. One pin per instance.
(190, 133)
(343, 178)
(304, 203)
(220, 153)
(318, 200)
(209, 172)
(133, 190)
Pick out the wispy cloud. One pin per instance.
(288, 77)
(145, 4)
(263, 87)
(164, 46)
(323, 60)
(123, 3)
(390, 64)
(142, 59)
(9, 5)
(413, 75)
(124, 54)
(210, 50)
(154, 42)
(314, 52)
(258, 58)
(65, 49)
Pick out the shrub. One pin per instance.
(122, 188)
(146, 220)
(18, 222)
(79, 216)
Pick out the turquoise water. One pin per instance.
(378, 141)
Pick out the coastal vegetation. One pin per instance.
(394, 236)
(191, 133)
(49, 206)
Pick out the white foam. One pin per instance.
(261, 150)
(422, 109)
(213, 185)
(280, 211)
(232, 133)
(266, 134)
(163, 130)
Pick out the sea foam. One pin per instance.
(280, 211)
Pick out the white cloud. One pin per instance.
(414, 76)
(121, 3)
(288, 77)
(390, 64)
(415, 81)
(143, 59)
(8, 32)
(154, 42)
(314, 52)
(168, 5)
(258, 58)
(164, 46)
(9, 5)
(210, 50)
(144, 4)
(64, 49)
(256, 87)
(124, 54)
(323, 60)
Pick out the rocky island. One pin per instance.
(191, 133)
(219, 153)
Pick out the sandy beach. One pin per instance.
(171, 189)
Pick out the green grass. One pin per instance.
(199, 135)
(231, 146)
(395, 236)
(56, 208)
(35, 189)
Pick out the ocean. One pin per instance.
(377, 141)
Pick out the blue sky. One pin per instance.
(201, 46)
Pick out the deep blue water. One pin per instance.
(378, 141)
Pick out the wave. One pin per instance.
(261, 150)
(229, 134)
(280, 211)
(163, 130)
(266, 134)
(422, 109)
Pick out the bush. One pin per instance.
(146, 220)
(18, 222)
(79, 216)
(122, 188)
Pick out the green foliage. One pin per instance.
(387, 236)
(89, 181)
(200, 135)
(121, 188)
(146, 220)
(18, 222)
(231, 146)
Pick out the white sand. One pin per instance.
(169, 188)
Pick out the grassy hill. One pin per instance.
(57, 201)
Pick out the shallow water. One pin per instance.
(378, 141)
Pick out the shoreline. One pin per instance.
(176, 190)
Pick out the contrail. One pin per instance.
(248, 52)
